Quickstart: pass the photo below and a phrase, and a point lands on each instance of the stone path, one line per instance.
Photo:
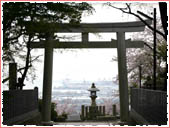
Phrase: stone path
(74, 120)
(95, 123)
(73, 117)
(88, 123)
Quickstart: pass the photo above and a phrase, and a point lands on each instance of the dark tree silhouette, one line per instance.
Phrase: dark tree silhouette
(17, 14)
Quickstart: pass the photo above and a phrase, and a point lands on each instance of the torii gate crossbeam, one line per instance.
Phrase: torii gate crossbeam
(121, 44)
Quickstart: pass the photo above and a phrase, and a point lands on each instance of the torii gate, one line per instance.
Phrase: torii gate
(121, 44)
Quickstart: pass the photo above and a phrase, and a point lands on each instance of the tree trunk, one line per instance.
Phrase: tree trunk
(27, 61)
(164, 19)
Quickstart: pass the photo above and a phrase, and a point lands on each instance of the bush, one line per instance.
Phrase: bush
(60, 118)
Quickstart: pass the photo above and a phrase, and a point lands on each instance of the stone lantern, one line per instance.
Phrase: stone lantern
(93, 95)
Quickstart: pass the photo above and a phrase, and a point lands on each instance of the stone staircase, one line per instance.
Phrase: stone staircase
(73, 118)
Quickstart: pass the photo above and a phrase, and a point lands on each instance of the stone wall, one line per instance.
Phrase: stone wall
(19, 105)
(149, 106)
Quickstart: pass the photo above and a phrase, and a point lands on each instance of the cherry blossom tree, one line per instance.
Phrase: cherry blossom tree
(65, 107)
(144, 57)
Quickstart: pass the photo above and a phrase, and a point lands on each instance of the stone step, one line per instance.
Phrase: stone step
(73, 117)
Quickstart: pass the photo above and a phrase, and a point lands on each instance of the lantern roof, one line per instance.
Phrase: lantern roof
(93, 88)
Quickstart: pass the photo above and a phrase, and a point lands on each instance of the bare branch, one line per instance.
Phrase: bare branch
(148, 46)
(109, 4)
(140, 18)
(128, 6)
(35, 58)
(19, 70)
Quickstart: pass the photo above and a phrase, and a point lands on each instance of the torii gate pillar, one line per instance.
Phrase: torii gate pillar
(123, 81)
(47, 81)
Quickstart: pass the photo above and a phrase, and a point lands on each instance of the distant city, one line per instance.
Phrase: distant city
(76, 92)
